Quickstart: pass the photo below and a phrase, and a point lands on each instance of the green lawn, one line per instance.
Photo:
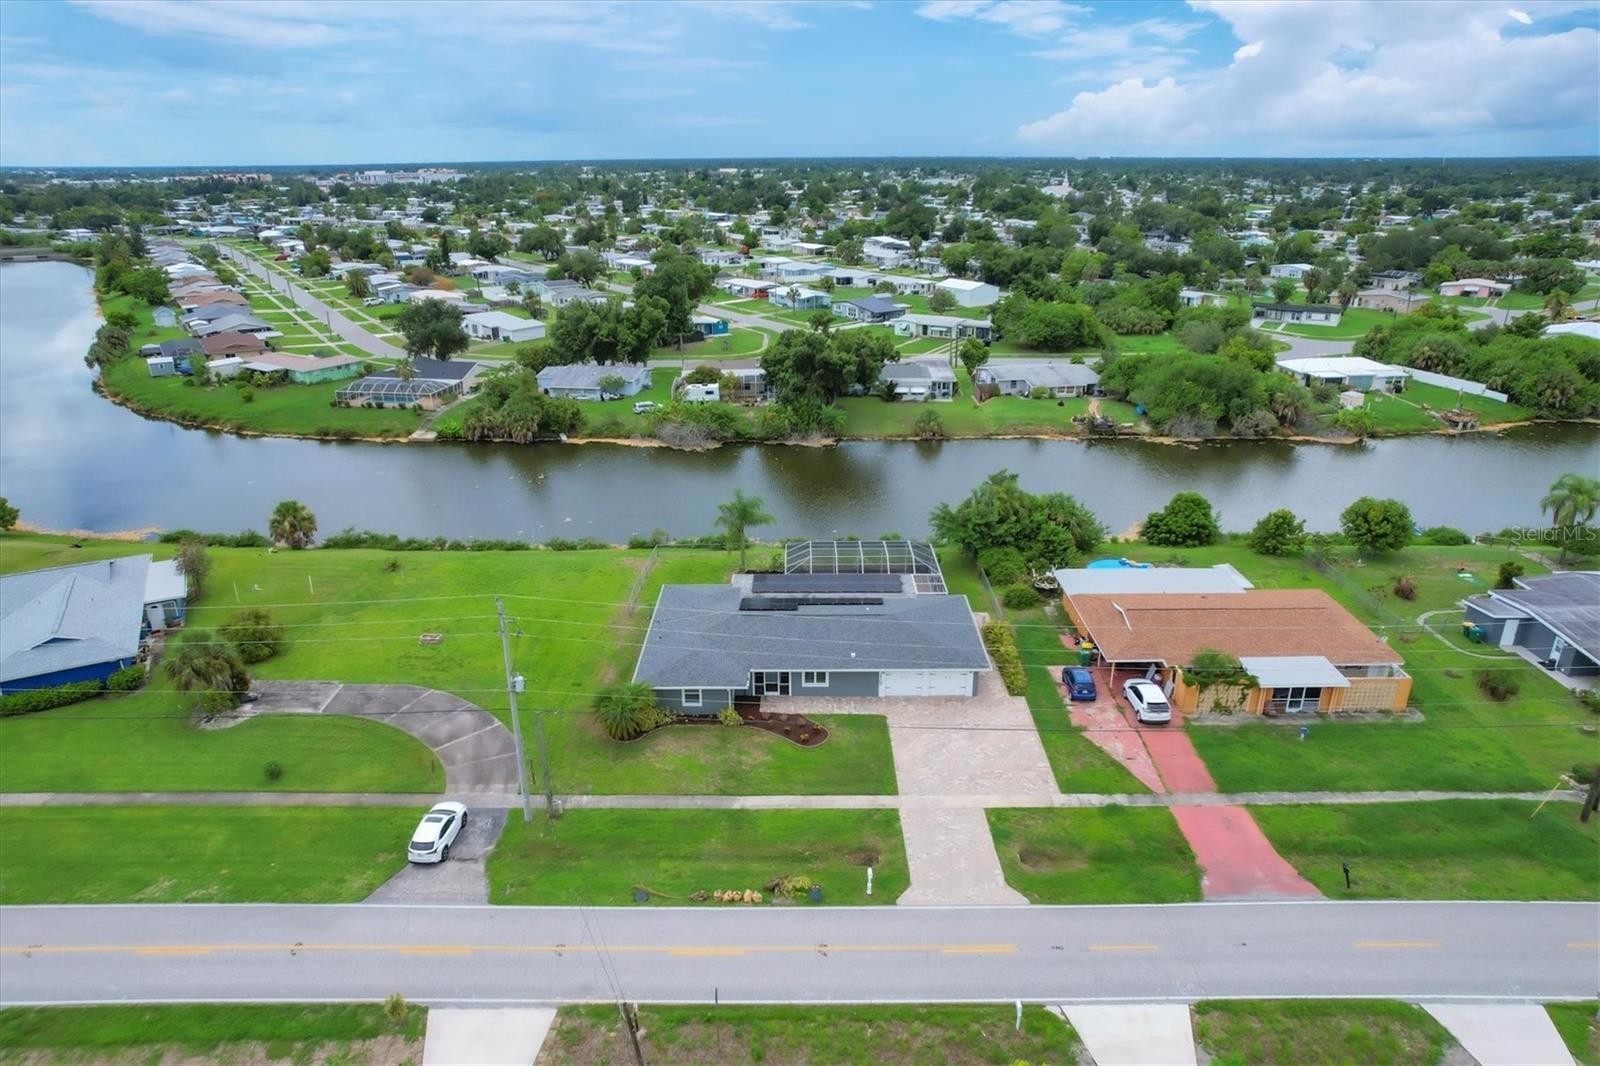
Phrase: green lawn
(739, 341)
(817, 1036)
(144, 742)
(1301, 1032)
(872, 416)
(232, 1032)
(1095, 855)
(1464, 742)
(295, 410)
(1579, 1026)
(596, 857)
(1353, 323)
(1403, 412)
(1466, 849)
(200, 854)
(1078, 765)
(1522, 301)
(351, 618)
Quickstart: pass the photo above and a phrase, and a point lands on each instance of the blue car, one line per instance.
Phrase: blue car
(1079, 682)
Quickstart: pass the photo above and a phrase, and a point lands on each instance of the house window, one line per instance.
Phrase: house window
(814, 679)
(1295, 700)
(691, 697)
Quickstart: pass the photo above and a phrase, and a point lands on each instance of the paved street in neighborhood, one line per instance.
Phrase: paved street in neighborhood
(1437, 952)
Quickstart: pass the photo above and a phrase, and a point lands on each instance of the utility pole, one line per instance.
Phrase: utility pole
(516, 722)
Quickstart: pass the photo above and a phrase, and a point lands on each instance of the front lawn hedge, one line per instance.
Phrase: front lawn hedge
(34, 700)
(1002, 645)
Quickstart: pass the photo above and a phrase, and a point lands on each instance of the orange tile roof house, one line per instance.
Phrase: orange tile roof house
(1306, 652)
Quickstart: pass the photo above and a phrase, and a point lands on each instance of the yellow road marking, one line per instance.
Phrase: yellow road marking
(1585, 945)
(1124, 947)
(1397, 944)
(544, 949)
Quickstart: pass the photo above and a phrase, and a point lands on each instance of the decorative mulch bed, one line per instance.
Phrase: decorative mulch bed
(795, 728)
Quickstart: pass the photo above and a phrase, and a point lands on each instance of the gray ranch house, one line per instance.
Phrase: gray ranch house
(1553, 619)
(581, 381)
(858, 635)
(1015, 377)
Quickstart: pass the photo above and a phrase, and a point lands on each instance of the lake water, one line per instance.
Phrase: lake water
(72, 460)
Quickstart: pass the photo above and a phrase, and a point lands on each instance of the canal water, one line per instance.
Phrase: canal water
(72, 460)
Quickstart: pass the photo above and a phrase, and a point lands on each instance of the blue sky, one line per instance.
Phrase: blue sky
(153, 82)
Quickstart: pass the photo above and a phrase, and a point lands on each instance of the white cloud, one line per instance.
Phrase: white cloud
(1520, 16)
(1318, 77)
(1029, 18)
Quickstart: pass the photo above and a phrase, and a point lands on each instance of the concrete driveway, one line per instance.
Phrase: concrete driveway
(463, 878)
(478, 752)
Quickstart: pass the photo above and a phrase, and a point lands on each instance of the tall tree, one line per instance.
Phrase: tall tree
(292, 524)
(1572, 502)
(737, 516)
(432, 327)
(194, 563)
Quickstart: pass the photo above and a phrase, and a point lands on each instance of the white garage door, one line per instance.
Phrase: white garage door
(925, 683)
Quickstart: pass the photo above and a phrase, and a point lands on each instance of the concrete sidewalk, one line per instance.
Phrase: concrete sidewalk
(1133, 1034)
(507, 801)
(1503, 1034)
(951, 858)
(507, 1037)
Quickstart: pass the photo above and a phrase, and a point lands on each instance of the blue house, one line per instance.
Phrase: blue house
(709, 326)
(83, 622)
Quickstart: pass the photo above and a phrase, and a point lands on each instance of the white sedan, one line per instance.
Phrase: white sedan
(1148, 701)
(436, 832)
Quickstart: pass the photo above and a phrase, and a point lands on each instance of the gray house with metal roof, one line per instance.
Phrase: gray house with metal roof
(1554, 618)
(808, 634)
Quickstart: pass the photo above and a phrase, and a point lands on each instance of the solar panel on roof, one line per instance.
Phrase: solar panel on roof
(794, 603)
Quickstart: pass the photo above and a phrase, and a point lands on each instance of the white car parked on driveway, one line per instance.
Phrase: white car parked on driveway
(436, 832)
(1148, 701)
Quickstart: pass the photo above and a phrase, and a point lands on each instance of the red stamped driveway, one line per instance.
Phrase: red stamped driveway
(1236, 859)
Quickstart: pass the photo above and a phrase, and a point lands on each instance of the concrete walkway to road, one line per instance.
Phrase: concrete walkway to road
(508, 1037)
(1503, 1034)
(951, 858)
(478, 752)
(1133, 1034)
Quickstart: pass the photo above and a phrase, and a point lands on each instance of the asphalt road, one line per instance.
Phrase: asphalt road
(341, 325)
(442, 954)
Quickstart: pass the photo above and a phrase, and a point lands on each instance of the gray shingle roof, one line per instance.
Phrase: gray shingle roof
(699, 638)
(589, 375)
(71, 616)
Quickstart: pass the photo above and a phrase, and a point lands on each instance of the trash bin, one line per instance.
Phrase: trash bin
(1475, 634)
(1085, 656)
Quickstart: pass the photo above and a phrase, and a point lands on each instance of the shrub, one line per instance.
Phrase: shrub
(1405, 586)
(1376, 526)
(34, 700)
(127, 679)
(247, 394)
(1279, 533)
(1187, 521)
(253, 634)
(730, 717)
(1002, 645)
(1510, 570)
(626, 710)
(273, 771)
(1499, 684)
(1583, 773)
(929, 426)
(1590, 700)
(1019, 597)
(1448, 536)
(1004, 566)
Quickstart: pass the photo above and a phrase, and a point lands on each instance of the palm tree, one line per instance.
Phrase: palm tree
(1558, 306)
(292, 523)
(405, 370)
(737, 516)
(1572, 501)
(205, 664)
